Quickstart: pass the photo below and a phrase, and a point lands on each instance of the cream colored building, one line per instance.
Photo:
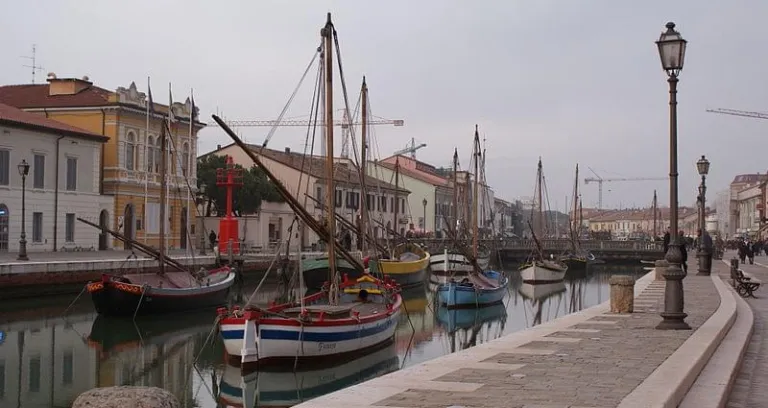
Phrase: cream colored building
(304, 177)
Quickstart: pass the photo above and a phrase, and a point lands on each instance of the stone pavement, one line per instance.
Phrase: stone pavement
(63, 256)
(750, 389)
(592, 361)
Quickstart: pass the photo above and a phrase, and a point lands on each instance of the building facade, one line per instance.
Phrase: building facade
(130, 159)
(62, 184)
(304, 177)
(637, 223)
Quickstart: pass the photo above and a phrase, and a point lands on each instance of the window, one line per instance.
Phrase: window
(319, 196)
(337, 201)
(352, 200)
(150, 154)
(67, 368)
(392, 203)
(185, 159)
(158, 153)
(69, 228)
(38, 168)
(34, 374)
(71, 173)
(37, 227)
(369, 202)
(383, 203)
(5, 167)
(130, 151)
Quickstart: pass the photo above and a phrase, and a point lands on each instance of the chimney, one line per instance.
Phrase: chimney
(218, 147)
(66, 86)
(288, 150)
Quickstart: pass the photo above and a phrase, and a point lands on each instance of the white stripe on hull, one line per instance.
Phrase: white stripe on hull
(254, 347)
(233, 346)
(456, 263)
(537, 273)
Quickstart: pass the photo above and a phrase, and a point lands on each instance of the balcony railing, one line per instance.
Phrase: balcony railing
(561, 244)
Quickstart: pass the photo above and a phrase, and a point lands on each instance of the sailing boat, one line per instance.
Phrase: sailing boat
(164, 292)
(538, 269)
(576, 257)
(346, 317)
(480, 287)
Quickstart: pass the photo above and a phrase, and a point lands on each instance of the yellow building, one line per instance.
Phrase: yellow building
(130, 169)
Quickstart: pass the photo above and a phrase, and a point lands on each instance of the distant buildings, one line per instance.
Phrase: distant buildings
(746, 209)
(638, 223)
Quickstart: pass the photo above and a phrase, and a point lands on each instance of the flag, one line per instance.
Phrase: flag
(194, 113)
(171, 119)
(151, 103)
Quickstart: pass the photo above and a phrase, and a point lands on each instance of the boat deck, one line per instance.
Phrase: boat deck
(482, 281)
(342, 311)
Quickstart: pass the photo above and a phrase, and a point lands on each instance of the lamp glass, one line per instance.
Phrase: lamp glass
(671, 50)
(23, 168)
(703, 166)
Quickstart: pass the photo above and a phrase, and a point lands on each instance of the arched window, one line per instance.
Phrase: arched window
(185, 159)
(151, 154)
(130, 151)
(158, 154)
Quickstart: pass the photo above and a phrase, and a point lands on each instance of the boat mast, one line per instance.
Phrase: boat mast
(163, 183)
(327, 33)
(581, 216)
(455, 189)
(574, 235)
(467, 207)
(477, 153)
(363, 167)
(395, 201)
(655, 212)
(539, 176)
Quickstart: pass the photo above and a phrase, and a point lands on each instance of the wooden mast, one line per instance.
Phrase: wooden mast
(540, 197)
(475, 195)
(574, 235)
(455, 189)
(467, 208)
(163, 184)
(327, 33)
(395, 201)
(363, 167)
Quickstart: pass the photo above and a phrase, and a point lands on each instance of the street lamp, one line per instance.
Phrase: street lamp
(424, 203)
(704, 253)
(23, 171)
(672, 52)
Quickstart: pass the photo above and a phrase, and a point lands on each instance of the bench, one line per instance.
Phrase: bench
(745, 285)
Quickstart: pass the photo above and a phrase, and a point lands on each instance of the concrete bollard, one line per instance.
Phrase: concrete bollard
(734, 271)
(622, 293)
(660, 266)
(126, 396)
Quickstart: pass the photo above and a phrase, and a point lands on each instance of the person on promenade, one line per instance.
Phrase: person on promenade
(212, 238)
(683, 251)
(666, 241)
(742, 251)
(751, 252)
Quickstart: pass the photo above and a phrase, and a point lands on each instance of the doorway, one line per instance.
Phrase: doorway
(104, 223)
(128, 225)
(183, 241)
(4, 228)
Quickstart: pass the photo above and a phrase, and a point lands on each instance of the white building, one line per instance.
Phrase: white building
(62, 183)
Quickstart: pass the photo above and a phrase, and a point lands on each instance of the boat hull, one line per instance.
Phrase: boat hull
(317, 271)
(450, 263)
(538, 272)
(405, 273)
(114, 298)
(454, 294)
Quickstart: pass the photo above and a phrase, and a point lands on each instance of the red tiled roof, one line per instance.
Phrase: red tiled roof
(15, 117)
(418, 175)
(36, 96)
(749, 178)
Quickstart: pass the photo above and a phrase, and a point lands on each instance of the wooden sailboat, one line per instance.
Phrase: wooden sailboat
(480, 287)
(539, 269)
(346, 317)
(576, 257)
(164, 292)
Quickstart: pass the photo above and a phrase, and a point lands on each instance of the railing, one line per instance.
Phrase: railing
(559, 244)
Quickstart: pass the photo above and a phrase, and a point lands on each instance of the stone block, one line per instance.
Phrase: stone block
(126, 396)
(660, 266)
(622, 293)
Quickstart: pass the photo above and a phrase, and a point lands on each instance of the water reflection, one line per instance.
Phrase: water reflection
(46, 360)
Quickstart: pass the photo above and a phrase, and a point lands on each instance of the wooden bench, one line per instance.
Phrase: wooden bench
(745, 285)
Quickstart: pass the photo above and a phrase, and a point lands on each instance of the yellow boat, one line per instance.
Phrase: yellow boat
(408, 266)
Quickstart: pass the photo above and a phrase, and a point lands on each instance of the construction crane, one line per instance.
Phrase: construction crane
(599, 180)
(411, 148)
(734, 112)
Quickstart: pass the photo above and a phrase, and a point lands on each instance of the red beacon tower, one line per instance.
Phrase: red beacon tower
(229, 177)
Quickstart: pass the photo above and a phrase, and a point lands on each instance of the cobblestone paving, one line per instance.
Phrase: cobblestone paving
(597, 368)
(750, 389)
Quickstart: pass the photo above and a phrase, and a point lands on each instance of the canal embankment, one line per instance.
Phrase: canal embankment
(590, 358)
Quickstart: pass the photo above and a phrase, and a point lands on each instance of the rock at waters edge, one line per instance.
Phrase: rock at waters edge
(126, 396)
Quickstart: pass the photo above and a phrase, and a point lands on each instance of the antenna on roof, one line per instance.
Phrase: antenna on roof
(34, 65)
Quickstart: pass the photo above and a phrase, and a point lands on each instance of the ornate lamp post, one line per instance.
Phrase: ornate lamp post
(672, 52)
(704, 253)
(424, 204)
(23, 172)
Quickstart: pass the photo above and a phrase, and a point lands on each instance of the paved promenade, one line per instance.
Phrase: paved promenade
(588, 359)
(751, 387)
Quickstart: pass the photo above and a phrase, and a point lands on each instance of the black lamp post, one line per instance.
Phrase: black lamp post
(672, 52)
(704, 253)
(424, 203)
(23, 171)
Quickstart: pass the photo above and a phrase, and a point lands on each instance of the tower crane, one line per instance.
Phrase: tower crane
(411, 148)
(734, 112)
(601, 180)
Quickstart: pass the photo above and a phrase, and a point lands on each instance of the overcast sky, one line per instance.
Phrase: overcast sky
(570, 81)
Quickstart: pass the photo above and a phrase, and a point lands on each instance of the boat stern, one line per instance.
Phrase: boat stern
(232, 332)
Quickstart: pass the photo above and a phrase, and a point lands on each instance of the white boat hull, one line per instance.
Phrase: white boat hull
(449, 263)
(536, 272)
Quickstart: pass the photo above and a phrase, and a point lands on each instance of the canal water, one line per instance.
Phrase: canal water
(47, 359)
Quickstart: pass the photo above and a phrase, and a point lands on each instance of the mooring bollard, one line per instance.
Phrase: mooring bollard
(734, 271)
(622, 294)
(126, 396)
(660, 266)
